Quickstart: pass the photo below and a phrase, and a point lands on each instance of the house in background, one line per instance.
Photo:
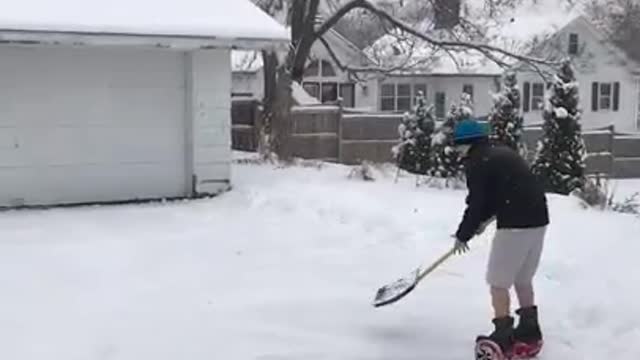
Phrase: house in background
(393, 92)
(442, 87)
(323, 79)
(609, 79)
(97, 107)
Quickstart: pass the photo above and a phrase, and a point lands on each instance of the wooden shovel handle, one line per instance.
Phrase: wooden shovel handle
(437, 263)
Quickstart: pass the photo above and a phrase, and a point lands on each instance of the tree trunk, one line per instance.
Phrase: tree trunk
(447, 13)
(270, 61)
(275, 129)
(282, 125)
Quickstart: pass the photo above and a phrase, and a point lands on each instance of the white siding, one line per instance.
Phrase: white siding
(367, 94)
(210, 80)
(595, 62)
(623, 119)
(89, 125)
(452, 86)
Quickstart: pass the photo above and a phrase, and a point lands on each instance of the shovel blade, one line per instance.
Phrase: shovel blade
(396, 290)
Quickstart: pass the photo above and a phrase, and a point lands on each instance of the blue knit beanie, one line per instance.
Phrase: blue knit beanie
(469, 131)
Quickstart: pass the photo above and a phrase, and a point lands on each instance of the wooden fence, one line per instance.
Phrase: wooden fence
(331, 134)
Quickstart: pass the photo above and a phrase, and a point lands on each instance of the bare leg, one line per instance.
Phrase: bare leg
(501, 302)
(526, 296)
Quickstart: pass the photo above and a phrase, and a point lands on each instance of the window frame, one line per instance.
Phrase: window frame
(605, 97)
(408, 99)
(322, 80)
(533, 105)
(613, 97)
(574, 44)
(465, 88)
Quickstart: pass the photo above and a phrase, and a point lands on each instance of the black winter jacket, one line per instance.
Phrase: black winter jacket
(500, 184)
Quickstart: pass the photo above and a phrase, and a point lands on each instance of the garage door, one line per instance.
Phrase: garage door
(86, 125)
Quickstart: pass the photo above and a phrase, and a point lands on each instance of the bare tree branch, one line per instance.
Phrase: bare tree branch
(333, 19)
(357, 69)
(488, 50)
(445, 43)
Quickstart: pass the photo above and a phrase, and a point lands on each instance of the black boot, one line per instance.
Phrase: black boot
(528, 330)
(502, 335)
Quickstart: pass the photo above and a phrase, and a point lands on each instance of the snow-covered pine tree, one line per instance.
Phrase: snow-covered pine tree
(445, 159)
(560, 159)
(505, 117)
(413, 152)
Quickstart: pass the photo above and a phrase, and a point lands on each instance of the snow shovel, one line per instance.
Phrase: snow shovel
(395, 291)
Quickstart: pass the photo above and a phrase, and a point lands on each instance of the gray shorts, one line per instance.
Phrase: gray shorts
(515, 256)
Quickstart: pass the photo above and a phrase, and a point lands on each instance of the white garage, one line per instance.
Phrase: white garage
(119, 107)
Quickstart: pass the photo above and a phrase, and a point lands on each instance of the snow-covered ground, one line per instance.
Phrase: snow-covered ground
(285, 267)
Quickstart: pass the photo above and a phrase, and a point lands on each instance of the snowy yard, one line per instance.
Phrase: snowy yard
(285, 267)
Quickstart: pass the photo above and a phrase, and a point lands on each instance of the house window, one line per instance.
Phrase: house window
(404, 97)
(388, 97)
(573, 44)
(468, 89)
(320, 68)
(329, 92)
(441, 99)
(417, 89)
(312, 88)
(399, 97)
(605, 96)
(537, 96)
(533, 96)
(322, 82)
(313, 69)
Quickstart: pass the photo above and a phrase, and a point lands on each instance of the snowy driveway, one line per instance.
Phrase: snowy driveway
(285, 267)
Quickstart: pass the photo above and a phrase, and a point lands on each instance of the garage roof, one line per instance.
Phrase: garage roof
(225, 21)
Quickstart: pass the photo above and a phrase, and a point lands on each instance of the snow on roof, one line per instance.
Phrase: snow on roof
(301, 96)
(222, 19)
(511, 31)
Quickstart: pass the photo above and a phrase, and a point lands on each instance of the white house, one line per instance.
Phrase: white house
(442, 86)
(393, 92)
(609, 79)
(107, 101)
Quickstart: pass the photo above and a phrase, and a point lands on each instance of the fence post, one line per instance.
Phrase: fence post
(340, 118)
(612, 134)
(255, 125)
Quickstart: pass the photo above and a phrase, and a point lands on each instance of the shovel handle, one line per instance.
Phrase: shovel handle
(437, 263)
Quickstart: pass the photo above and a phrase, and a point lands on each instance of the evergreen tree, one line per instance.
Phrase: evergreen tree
(445, 159)
(413, 152)
(505, 118)
(560, 160)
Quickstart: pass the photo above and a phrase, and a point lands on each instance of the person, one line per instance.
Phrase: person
(501, 187)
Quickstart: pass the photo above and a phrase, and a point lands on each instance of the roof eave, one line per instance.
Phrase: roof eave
(177, 42)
